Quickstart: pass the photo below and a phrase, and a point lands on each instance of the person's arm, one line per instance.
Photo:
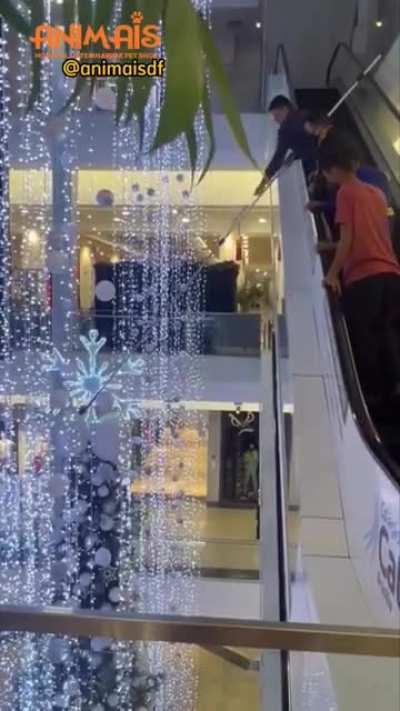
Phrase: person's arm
(279, 156)
(325, 246)
(342, 252)
(276, 161)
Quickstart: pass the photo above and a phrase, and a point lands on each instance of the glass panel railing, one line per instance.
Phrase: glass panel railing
(41, 672)
(373, 110)
(226, 334)
(66, 661)
(217, 333)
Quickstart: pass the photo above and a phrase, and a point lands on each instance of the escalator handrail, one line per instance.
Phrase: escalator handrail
(281, 53)
(345, 47)
(359, 409)
(357, 404)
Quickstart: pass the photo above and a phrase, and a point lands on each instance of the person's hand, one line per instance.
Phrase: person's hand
(332, 282)
(261, 187)
(321, 247)
(312, 205)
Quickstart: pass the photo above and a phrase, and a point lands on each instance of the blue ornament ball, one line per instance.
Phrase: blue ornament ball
(105, 198)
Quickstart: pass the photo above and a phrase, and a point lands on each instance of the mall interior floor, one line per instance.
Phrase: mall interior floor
(224, 686)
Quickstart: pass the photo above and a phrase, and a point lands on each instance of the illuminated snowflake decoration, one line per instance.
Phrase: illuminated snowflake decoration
(92, 378)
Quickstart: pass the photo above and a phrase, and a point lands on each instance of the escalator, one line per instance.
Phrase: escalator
(380, 429)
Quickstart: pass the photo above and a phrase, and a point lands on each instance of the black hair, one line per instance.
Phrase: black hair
(280, 102)
(318, 118)
(343, 159)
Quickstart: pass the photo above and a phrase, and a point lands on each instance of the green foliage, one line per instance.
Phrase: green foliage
(191, 60)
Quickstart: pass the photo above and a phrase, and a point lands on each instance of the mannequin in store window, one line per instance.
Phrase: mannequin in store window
(250, 466)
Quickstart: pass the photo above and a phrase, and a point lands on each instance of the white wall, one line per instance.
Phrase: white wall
(228, 155)
(310, 30)
(388, 74)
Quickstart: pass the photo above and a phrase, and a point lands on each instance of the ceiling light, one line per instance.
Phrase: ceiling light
(185, 220)
(258, 25)
(258, 271)
(174, 211)
(378, 23)
(262, 220)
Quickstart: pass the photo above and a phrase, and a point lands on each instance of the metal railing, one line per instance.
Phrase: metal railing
(203, 631)
(376, 116)
(360, 412)
(342, 46)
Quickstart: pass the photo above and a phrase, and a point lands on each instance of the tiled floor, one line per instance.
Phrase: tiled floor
(229, 540)
(225, 687)
(228, 524)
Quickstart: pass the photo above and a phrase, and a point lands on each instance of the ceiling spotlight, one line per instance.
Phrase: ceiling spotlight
(258, 25)
(262, 220)
(174, 211)
(185, 220)
(378, 23)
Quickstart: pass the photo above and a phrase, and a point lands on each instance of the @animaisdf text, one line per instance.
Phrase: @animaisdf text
(103, 69)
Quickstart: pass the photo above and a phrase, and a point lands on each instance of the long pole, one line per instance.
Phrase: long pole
(289, 160)
(354, 86)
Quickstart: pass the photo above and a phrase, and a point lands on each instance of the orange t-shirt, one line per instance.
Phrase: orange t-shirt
(364, 208)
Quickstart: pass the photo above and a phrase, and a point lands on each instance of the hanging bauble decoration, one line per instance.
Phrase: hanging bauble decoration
(105, 198)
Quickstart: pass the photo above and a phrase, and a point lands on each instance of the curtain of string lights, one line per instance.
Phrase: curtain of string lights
(100, 506)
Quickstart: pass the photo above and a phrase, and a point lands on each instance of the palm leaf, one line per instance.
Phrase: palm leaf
(80, 83)
(128, 6)
(85, 13)
(191, 141)
(122, 89)
(36, 81)
(37, 18)
(141, 92)
(68, 13)
(210, 130)
(220, 79)
(14, 18)
(185, 77)
(103, 12)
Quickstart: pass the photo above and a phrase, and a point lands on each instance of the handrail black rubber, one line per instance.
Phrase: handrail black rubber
(357, 403)
(355, 396)
(284, 611)
(343, 46)
(281, 51)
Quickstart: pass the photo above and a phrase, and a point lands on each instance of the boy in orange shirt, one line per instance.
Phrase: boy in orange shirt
(370, 275)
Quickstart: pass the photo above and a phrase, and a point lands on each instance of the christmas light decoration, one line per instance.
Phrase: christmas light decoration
(75, 530)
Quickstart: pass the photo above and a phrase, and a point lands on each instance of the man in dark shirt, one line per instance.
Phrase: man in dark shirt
(332, 140)
(329, 137)
(292, 136)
